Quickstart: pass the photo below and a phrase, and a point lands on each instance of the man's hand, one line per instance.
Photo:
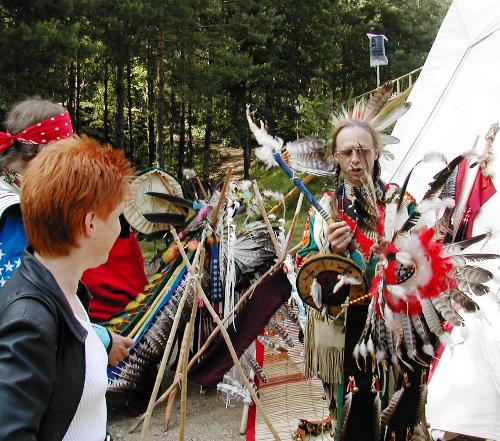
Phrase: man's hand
(119, 348)
(379, 247)
(339, 237)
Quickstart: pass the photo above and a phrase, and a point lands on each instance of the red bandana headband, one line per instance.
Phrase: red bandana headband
(48, 130)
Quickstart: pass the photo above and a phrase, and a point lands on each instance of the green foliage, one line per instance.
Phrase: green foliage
(294, 60)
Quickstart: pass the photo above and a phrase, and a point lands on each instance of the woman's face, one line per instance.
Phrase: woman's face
(106, 233)
(355, 154)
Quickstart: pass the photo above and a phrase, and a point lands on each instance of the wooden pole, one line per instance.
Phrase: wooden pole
(189, 331)
(292, 226)
(170, 341)
(171, 398)
(212, 336)
(270, 230)
(229, 344)
(223, 191)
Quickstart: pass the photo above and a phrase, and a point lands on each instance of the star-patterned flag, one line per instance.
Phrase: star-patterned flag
(12, 244)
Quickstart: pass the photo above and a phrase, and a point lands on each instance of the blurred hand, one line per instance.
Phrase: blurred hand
(119, 348)
(339, 237)
(379, 247)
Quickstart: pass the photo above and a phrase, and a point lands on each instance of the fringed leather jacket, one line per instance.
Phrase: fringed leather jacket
(42, 355)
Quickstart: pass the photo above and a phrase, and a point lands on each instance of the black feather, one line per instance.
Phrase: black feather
(166, 218)
(174, 199)
(403, 187)
(477, 257)
(441, 178)
(410, 222)
(455, 247)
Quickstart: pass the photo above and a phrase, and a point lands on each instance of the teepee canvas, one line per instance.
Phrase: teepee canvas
(456, 99)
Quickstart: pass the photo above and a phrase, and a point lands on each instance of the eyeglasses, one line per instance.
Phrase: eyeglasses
(347, 153)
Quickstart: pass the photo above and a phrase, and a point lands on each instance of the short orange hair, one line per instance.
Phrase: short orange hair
(64, 182)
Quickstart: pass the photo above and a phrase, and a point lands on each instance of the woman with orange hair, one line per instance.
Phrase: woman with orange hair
(52, 365)
(31, 125)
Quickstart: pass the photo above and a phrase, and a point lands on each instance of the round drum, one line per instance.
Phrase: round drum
(152, 180)
(326, 269)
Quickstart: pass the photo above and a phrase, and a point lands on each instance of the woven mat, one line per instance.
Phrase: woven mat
(287, 396)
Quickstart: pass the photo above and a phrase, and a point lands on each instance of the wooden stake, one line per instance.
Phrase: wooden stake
(262, 209)
(171, 398)
(210, 338)
(229, 344)
(202, 189)
(223, 191)
(292, 226)
(189, 331)
(170, 341)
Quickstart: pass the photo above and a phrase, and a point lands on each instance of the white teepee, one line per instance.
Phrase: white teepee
(455, 99)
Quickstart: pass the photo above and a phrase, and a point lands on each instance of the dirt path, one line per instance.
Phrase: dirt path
(207, 420)
(230, 157)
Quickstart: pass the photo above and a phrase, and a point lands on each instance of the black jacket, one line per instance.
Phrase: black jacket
(42, 356)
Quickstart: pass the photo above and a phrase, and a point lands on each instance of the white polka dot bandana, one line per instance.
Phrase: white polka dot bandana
(51, 129)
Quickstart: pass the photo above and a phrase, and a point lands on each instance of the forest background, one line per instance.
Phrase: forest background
(167, 80)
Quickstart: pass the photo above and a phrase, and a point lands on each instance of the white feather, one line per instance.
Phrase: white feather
(316, 293)
(189, 173)
(345, 280)
(434, 156)
(261, 135)
(423, 272)
(386, 154)
(275, 195)
(244, 185)
(380, 355)
(369, 346)
(428, 349)
(404, 258)
(265, 154)
(355, 352)
(363, 351)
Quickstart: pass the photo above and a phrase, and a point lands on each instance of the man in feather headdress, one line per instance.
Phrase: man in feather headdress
(353, 384)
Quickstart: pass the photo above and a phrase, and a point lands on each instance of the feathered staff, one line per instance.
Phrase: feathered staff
(270, 150)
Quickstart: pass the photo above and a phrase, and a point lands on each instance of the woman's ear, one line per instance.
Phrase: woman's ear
(89, 224)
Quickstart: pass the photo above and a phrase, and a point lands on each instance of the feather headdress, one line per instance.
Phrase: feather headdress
(378, 113)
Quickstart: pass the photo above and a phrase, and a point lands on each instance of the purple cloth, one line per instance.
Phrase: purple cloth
(253, 316)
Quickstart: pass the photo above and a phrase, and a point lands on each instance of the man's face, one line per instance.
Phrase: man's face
(355, 154)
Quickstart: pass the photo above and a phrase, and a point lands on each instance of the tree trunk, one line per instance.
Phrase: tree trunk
(182, 140)
(151, 106)
(129, 105)
(106, 100)
(244, 134)
(190, 136)
(207, 142)
(71, 91)
(161, 98)
(173, 112)
(78, 93)
(120, 104)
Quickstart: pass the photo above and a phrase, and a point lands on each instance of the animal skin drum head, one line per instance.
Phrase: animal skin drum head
(156, 180)
(326, 270)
